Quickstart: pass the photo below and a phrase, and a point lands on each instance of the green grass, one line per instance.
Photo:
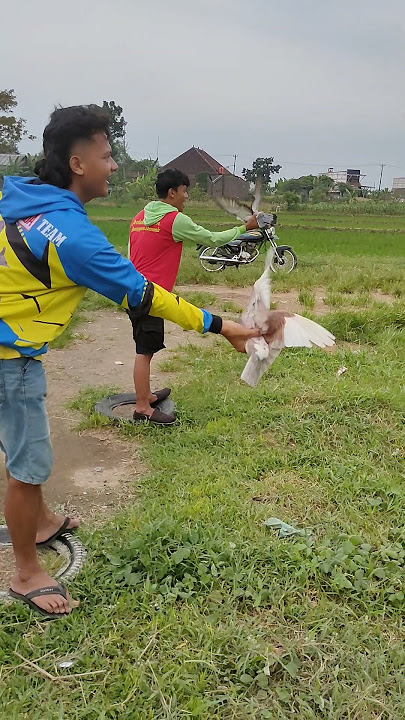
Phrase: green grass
(212, 301)
(306, 241)
(307, 299)
(331, 271)
(340, 222)
(359, 261)
(230, 306)
(190, 606)
(200, 298)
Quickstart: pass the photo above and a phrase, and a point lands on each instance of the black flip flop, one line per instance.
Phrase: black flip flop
(6, 539)
(160, 396)
(50, 590)
(63, 528)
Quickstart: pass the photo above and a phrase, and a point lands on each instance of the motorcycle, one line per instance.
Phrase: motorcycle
(247, 247)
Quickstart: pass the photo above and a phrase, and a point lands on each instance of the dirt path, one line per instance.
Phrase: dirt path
(284, 300)
(241, 295)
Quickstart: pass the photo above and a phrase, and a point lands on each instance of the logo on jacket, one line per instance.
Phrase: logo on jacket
(51, 233)
(3, 261)
(29, 223)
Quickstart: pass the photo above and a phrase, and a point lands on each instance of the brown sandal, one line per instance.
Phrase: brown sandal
(157, 418)
(160, 396)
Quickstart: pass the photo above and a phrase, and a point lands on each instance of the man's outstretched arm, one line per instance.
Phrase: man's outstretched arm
(172, 307)
(107, 272)
(185, 230)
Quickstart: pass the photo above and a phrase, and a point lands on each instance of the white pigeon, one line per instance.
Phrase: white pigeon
(243, 211)
(296, 331)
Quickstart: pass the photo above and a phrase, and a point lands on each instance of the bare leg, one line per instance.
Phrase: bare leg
(22, 509)
(142, 384)
(48, 521)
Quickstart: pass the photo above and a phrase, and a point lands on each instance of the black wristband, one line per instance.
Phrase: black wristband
(145, 305)
(216, 325)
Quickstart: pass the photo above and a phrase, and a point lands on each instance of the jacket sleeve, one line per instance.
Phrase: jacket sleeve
(185, 230)
(95, 264)
(174, 308)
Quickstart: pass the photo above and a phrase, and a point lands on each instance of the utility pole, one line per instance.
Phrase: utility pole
(157, 149)
(234, 163)
(381, 174)
(125, 151)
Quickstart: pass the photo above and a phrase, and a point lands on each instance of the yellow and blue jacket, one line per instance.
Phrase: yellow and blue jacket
(50, 253)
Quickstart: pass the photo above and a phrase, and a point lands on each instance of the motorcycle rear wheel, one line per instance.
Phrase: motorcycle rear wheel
(211, 265)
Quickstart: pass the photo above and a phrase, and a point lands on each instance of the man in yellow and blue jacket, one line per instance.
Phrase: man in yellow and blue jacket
(50, 253)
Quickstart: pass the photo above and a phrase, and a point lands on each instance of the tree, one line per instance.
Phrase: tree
(292, 200)
(264, 167)
(117, 127)
(318, 195)
(302, 186)
(322, 185)
(202, 181)
(12, 129)
(343, 189)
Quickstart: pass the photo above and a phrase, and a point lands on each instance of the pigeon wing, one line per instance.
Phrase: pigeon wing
(299, 331)
(257, 195)
(235, 207)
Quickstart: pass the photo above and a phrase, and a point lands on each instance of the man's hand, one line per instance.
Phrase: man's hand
(252, 223)
(275, 322)
(238, 335)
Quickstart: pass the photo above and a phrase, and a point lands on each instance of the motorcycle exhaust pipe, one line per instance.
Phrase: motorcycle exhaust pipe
(218, 258)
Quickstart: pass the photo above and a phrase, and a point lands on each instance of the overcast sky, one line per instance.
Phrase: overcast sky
(316, 83)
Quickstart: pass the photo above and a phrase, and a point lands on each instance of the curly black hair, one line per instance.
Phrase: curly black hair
(66, 126)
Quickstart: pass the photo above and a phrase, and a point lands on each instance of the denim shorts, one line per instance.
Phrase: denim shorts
(24, 426)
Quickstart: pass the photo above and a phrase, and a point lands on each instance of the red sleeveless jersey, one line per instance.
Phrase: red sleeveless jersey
(153, 251)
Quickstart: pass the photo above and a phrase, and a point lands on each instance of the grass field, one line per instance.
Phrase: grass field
(191, 607)
(345, 261)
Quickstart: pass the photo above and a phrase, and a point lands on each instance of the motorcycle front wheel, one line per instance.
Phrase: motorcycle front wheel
(212, 265)
(283, 262)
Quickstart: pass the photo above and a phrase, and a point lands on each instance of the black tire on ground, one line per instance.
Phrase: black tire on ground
(107, 406)
(68, 546)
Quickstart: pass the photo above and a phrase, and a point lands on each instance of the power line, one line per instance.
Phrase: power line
(329, 163)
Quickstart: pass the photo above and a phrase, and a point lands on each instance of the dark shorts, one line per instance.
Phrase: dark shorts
(149, 334)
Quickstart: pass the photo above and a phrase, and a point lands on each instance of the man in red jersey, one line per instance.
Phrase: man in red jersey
(156, 241)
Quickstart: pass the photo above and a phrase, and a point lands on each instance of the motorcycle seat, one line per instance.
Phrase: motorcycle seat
(252, 236)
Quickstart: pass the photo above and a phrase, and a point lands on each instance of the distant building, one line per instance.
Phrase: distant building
(349, 177)
(398, 187)
(221, 182)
